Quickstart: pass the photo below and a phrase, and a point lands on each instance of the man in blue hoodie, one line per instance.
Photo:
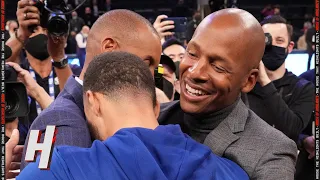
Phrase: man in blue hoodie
(121, 107)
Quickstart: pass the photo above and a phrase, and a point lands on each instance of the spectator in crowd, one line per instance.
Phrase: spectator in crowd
(302, 44)
(163, 27)
(169, 76)
(45, 57)
(193, 24)
(181, 10)
(95, 9)
(81, 39)
(276, 10)
(310, 39)
(76, 23)
(305, 164)
(122, 111)
(174, 49)
(282, 99)
(212, 76)
(116, 30)
(88, 17)
(267, 11)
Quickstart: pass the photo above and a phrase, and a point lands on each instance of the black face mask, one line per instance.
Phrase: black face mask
(168, 88)
(37, 47)
(274, 57)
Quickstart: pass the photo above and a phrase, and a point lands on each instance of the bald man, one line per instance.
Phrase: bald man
(221, 62)
(117, 30)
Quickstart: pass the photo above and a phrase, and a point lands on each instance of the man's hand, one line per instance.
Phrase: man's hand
(161, 96)
(308, 144)
(25, 77)
(56, 45)
(163, 27)
(27, 15)
(13, 155)
(263, 78)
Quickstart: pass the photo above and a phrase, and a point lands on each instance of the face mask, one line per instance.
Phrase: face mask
(37, 47)
(168, 88)
(7, 27)
(74, 17)
(274, 57)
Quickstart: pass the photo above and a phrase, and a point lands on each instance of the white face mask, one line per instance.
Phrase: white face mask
(85, 35)
(7, 27)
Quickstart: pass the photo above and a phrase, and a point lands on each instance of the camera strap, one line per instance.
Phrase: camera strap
(51, 87)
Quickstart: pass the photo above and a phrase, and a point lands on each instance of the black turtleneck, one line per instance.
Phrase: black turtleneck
(200, 127)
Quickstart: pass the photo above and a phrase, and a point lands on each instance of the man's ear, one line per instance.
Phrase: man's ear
(93, 103)
(290, 47)
(250, 82)
(157, 109)
(108, 45)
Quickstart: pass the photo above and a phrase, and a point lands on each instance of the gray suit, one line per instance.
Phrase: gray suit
(261, 150)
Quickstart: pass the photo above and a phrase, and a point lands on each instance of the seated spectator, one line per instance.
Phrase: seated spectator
(89, 19)
(280, 98)
(121, 109)
(174, 49)
(192, 25)
(81, 39)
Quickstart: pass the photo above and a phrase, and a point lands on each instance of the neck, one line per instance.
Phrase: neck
(128, 116)
(43, 68)
(277, 74)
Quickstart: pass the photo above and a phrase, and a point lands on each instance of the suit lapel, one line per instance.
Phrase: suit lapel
(225, 134)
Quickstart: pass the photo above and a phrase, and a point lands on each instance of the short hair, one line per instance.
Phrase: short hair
(274, 19)
(170, 42)
(120, 74)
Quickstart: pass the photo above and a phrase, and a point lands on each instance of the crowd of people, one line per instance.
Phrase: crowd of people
(221, 113)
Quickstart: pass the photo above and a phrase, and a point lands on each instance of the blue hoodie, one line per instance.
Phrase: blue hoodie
(137, 154)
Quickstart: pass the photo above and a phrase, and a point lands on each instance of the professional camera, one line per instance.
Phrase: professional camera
(54, 16)
(16, 96)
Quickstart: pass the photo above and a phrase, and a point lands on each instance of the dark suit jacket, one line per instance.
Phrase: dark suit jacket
(261, 150)
(67, 113)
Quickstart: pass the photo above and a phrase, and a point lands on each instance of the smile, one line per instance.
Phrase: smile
(194, 92)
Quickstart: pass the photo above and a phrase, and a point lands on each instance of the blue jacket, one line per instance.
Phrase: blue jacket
(138, 154)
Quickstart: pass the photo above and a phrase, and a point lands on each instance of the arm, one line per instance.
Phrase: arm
(33, 88)
(278, 162)
(290, 120)
(56, 50)
(16, 47)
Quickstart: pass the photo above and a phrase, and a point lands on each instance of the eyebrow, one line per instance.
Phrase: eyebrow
(150, 58)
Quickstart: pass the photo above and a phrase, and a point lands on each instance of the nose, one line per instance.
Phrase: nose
(198, 72)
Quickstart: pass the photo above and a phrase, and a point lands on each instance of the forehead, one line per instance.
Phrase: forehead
(228, 44)
(276, 30)
(174, 49)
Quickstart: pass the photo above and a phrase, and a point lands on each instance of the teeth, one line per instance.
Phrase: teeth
(194, 92)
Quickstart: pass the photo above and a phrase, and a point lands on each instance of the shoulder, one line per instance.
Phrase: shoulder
(169, 111)
(62, 111)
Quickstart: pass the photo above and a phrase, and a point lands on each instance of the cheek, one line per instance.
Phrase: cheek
(185, 64)
(221, 82)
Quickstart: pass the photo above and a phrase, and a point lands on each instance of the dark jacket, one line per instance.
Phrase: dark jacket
(138, 154)
(286, 103)
(262, 151)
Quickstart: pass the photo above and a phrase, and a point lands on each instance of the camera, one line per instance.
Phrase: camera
(268, 39)
(53, 16)
(16, 96)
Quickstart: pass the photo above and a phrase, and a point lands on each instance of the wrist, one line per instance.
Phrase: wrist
(59, 57)
(20, 37)
(265, 81)
(36, 92)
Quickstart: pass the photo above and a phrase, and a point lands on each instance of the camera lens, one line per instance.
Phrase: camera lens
(58, 26)
(12, 102)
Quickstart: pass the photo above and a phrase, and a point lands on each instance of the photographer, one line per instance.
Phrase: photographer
(282, 99)
(45, 57)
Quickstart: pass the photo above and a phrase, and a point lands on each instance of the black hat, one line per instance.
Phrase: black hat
(166, 60)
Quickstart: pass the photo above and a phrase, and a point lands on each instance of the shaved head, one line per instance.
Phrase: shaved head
(221, 61)
(244, 32)
(126, 31)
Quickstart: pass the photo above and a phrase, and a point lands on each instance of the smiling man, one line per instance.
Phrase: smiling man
(221, 62)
